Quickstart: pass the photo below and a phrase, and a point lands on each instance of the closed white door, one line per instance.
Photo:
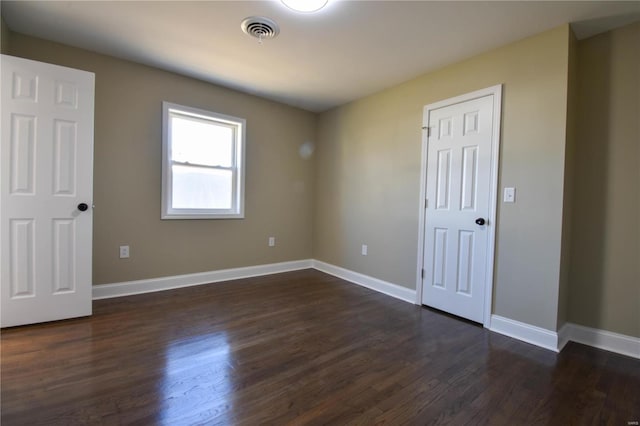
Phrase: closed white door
(46, 179)
(458, 183)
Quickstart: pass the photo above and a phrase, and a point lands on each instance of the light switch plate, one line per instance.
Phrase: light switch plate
(509, 195)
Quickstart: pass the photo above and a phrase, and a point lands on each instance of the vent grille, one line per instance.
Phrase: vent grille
(260, 27)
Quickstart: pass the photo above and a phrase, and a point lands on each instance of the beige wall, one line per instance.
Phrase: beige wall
(560, 255)
(279, 184)
(569, 175)
(368, 169)
(5, 35)
(605, 263)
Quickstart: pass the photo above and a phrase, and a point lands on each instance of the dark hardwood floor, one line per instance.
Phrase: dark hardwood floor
(298, 348)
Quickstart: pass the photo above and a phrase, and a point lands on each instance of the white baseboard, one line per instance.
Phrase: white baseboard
(563, 336)
(527, 333)
(128, 288)
(602, 339)
(376, 284)
(609, 341)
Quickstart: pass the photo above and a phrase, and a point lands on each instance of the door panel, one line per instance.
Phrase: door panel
(458, 181)
(64, 157)
(64, 259)
(46, 167)
(22, 166)
(469, 193)
(443, 179)
(465, 262)
(440, 257)
(22, 253)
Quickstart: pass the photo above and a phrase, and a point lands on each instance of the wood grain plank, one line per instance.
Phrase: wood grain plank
(298, 348)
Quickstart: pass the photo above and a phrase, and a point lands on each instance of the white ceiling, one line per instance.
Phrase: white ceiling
(348, 50)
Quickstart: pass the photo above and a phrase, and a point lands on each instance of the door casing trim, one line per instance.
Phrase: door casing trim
(496, 91)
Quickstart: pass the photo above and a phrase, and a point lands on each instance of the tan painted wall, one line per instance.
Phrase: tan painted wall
(127, 173)
(605, 264)
(368, 170)
(5, 36)
(569, 180)
(367, 176)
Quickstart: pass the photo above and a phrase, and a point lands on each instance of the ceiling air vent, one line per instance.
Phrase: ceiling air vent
(260, 27)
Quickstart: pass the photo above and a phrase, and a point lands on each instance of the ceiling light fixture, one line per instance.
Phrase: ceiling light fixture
(305, 6)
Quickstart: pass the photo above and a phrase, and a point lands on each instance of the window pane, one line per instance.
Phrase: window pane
(200, 188)
(202, 142)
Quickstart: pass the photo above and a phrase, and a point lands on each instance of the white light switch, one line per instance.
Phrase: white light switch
(509, 195)
(272, 241)
(364, 249)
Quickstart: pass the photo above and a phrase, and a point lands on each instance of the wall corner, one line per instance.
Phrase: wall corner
(5, 37)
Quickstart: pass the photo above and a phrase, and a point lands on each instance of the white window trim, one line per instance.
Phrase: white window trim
(237, 211)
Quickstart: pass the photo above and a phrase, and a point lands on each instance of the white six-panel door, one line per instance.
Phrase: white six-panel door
(458, 189)
(46, 169)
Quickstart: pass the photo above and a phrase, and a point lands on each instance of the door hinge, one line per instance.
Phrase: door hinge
(422, 273)
(428, 129)
(426, 203)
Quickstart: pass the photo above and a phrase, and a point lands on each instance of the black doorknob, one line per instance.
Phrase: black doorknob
(480, 221)
(83, 207)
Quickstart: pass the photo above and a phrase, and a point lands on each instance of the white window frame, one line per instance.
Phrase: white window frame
(238, 168)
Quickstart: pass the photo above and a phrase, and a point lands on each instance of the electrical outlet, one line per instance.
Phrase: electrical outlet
(124, 252)
(272, 241)
(364, 249)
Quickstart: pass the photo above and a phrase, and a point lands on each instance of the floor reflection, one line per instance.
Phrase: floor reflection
(197, 382)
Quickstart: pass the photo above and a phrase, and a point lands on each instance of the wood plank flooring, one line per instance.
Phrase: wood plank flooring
(298, 348)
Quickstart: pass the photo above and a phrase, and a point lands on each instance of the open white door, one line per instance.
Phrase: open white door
(46, 189)
(460, 204)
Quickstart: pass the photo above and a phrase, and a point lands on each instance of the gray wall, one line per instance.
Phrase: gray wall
(567, 250)
(368, 174)
(127, 173)
(605, 256)
(569, 174)
(5, 36)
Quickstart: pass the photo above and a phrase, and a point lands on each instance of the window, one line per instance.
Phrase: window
(202, 164)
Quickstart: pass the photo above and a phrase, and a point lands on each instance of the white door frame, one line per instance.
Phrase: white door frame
(496, 91)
